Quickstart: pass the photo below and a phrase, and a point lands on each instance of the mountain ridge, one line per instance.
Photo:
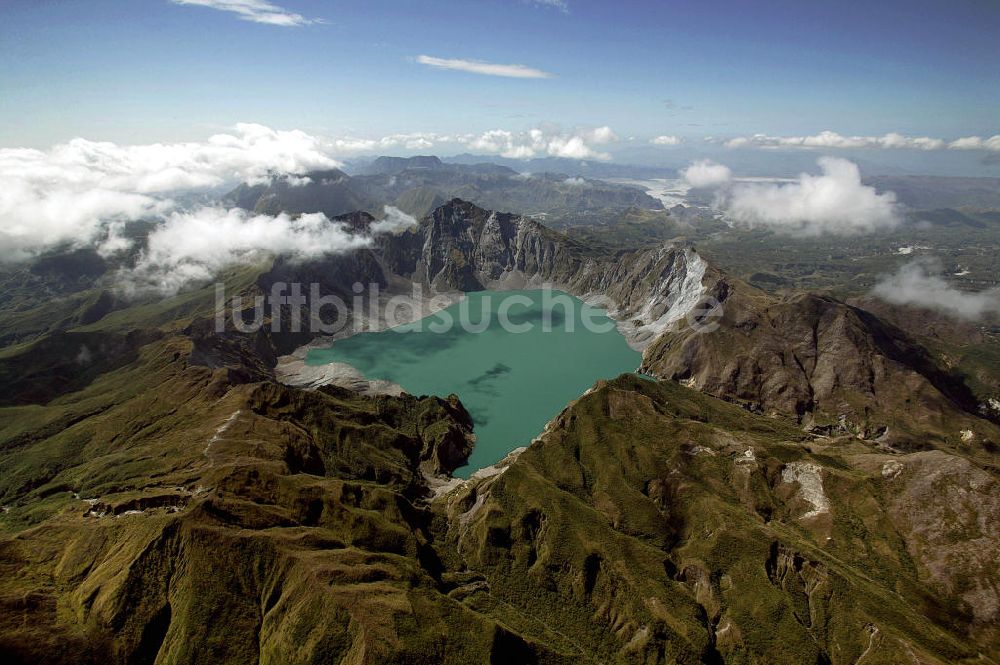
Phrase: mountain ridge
(417, 185)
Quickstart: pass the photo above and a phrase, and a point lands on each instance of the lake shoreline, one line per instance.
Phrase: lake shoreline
(513, 372)
(293, 370)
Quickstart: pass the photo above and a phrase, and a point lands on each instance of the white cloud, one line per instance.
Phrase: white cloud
(411, 141)
(601, 135)
(414, 140)
(79, 193)
(573, 147)
(575, 182)
(503, 142)
(834, 202)
(890, 141)
(706, 173)
(561, 5)
(666, 140)
(72, 192)
(976, 143)
(353, 144)
(395, 220)
(193, 246)
(32, 219)
(256, 11)
(480, 67)
(542, 142)
(115, 242)
(919, 283)
(537, 142)
(898, 141)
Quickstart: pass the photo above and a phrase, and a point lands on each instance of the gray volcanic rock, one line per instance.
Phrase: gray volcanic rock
(466, 248)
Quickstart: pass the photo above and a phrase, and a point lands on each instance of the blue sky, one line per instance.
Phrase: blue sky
(153, 70)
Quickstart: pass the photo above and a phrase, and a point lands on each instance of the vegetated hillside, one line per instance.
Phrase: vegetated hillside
(170, 513)
(656, 524)
(170, 501)
(638, 227)
(330, 192)
(963, 242)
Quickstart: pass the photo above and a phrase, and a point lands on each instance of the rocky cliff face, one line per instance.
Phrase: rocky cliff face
(461, 247)
(493, 249)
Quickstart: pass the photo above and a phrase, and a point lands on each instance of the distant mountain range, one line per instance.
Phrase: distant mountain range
(418, 185)
(574, 167)
(933, 192)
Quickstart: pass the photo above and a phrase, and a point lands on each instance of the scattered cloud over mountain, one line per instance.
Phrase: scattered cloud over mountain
(537, 142)
(706, 173)
(829, 139)
(835, 202)
(920, 283)
(666, 140)
(546, 141)
(395, 220)
(32, 219)
(256, 11)
(891, 141)
(486, 68)
(193, 246)
(73, 191)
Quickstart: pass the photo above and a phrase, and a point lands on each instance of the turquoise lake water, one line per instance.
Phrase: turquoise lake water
(512, 383)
